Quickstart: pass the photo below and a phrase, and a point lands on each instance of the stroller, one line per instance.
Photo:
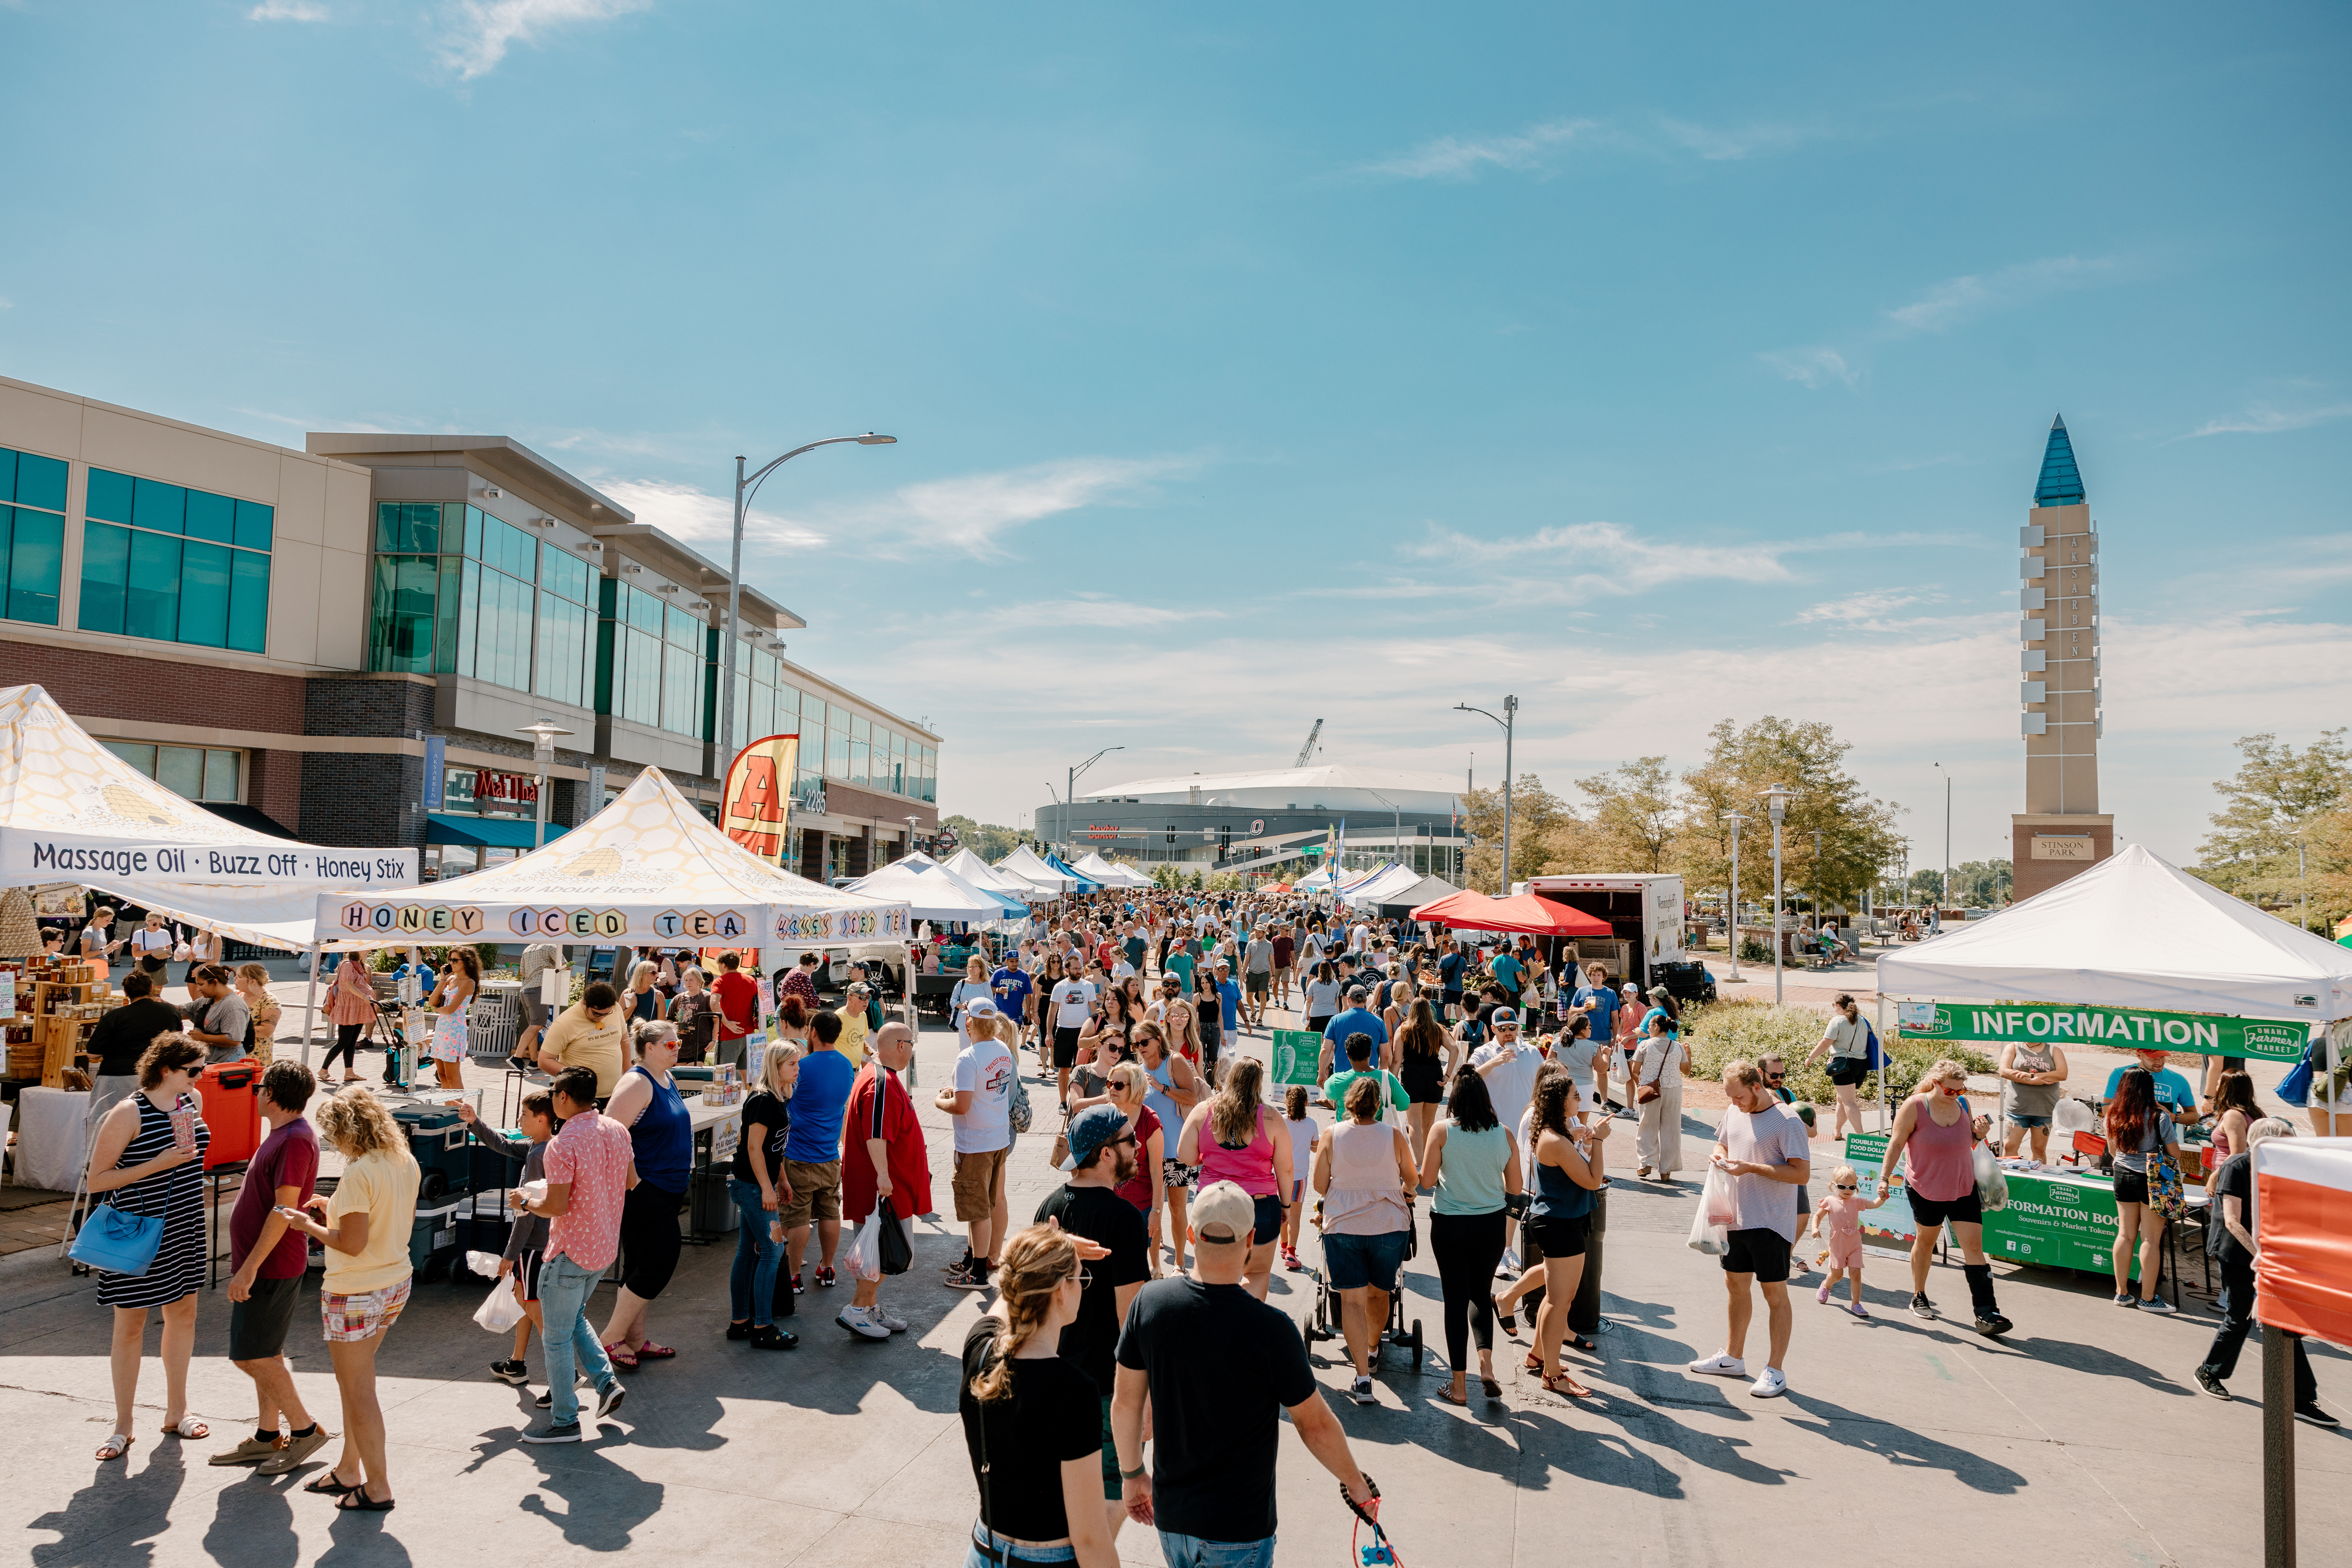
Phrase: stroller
(1323, 1320)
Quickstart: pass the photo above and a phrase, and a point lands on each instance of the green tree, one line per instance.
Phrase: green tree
(1926, 886)
(1983, 884)
(1630, 820)
(2276, 794)
(1857, 831)
(1536, 816)
(985, 839)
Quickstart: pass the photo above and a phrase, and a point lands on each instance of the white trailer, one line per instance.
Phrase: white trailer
(1646, 913)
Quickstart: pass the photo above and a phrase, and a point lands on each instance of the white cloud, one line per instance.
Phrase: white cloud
(1605, 557)
(1860, 608)
(480, 31)
(2271, 421)
(1814, 367)
(287, 11)
(1745, 142)
(970, 513)
(1957, 299)
(1461, 157)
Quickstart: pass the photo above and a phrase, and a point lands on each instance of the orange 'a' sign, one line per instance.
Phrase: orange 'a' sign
(759, 796)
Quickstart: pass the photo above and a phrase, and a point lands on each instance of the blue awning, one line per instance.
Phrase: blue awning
(485, 832)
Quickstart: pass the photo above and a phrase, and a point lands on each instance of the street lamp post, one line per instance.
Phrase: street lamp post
(1778, 800)
(1396, 829)
(1817, 879)
(746, 487)
(1732, 920)
(1070, 792)
(542, 752)
(1508, 721)
(1945, 897)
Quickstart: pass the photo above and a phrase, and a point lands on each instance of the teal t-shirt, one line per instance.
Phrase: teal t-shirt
(1470, 1181)
(1335, 1088)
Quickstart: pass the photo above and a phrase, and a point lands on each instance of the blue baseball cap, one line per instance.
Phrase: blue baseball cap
(1089, 1131)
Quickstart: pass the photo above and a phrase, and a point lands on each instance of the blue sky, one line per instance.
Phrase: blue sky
(1657, 365)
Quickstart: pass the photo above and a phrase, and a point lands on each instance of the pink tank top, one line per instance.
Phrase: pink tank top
(1941, 1169)
(1249, 1167)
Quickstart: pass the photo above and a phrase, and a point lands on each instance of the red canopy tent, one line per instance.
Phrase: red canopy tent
(1474, 910)
(1463, 908)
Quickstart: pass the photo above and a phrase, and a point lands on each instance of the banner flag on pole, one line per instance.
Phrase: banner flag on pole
(755, 808)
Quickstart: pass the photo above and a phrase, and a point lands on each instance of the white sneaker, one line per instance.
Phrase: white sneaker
(1511, 1260)
(858, 1321)
(1771, 1385)
(896, 1325)
(1720, 1365)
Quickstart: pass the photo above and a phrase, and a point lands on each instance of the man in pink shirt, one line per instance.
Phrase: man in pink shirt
(590, 1171)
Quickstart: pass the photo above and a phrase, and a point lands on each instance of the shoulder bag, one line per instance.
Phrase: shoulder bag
(117, 1243)
(2165, 1194)
(1017, 1110)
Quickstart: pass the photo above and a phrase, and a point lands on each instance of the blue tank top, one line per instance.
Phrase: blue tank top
(1558, 1197)
(662, 1138)
(1163, 1104)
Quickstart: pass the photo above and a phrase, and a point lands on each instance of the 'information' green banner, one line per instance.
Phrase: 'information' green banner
(2112, 1029)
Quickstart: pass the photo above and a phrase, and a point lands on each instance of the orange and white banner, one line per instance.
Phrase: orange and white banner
(758, 796)
(2302, 1203)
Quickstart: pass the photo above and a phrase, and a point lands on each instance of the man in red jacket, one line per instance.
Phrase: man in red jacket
(882, 1155)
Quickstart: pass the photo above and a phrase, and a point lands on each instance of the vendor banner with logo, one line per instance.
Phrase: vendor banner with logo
(757, 803)
(2109, 1028)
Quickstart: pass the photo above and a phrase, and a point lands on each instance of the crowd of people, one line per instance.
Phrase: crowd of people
(1131, 1304)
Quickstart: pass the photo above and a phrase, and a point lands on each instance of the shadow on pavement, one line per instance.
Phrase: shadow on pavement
(119, 1502)
(1901, 1446)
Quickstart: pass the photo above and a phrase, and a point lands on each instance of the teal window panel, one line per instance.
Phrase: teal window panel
(465, 614)
(40, 481)
(861, 761)
(158, 506)
(109, 496)
(181, 769)
(204, 594)
(682, 630)
(211, 518)
(257, 525)
(36, 558)
(249, 603)
(474, 516)
(7, 473)
(400, 630)
(404, 529)
(152, 605)
(105, 576)
(566, 649)
(604, 630)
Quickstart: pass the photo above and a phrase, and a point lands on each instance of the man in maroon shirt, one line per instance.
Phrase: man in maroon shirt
(268, 1258)
(801, 983)
(739, 1006)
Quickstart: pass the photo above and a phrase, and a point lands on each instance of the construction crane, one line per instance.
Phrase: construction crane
(1307, 752)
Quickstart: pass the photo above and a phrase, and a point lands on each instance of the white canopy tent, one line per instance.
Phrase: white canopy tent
(1025, 864)
(1402, 894)
(932, 892)
(73, 811)
(1370, 891)
(981, 874)
(1112, 876)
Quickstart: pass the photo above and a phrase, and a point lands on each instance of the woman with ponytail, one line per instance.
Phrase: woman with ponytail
(1031, 1421)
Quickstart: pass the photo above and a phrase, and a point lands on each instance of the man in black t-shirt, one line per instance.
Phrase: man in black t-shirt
(2229, 1238)
(1102, 1156)
(1220, 1366)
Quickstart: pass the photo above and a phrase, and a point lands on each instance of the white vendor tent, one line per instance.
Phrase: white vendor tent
(1025, 864)
(981, 874)
(649, 869)
(2133, 931)
(1400, 892)
(1319, 880)
(1112, 876)
(73, 811)
(1371, 891)
(932, 892)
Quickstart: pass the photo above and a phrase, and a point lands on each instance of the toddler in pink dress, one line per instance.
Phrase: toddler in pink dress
(1840, 1223)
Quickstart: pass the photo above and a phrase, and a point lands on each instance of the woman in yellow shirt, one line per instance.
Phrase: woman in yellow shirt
(366, 1228)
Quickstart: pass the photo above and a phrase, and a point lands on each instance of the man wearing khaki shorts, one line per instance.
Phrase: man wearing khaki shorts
(981, 1102)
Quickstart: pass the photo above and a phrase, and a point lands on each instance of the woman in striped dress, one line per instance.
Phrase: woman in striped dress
(148, 1159)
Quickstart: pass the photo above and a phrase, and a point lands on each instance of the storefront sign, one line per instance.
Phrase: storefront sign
(510, 789)
(436, 755)
(1296, 1054)
(28, 855)
(2075, 847)
(2111, 1028)
(1101, 830)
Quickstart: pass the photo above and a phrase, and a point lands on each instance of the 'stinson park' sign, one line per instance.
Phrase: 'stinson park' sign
(2112, 1029)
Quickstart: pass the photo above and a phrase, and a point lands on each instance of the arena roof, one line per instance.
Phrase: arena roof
(1337, 788)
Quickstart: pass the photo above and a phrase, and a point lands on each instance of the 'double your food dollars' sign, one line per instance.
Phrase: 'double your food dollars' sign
(2110, 1028)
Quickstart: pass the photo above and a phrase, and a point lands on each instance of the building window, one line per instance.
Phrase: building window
(651, 662)
(459, 592)
(197, 772)
(32, 535)
(175, 564)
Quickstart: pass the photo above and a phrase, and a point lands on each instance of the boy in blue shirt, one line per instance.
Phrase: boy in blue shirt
(2172, 1090)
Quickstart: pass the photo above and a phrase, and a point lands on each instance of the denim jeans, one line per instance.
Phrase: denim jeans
(563, 1290)
(1003, 1551)
(751, 1287)
(1192, 1552)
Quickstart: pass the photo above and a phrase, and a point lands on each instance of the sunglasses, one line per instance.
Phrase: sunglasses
(1774, 1077)
(1847, 1188)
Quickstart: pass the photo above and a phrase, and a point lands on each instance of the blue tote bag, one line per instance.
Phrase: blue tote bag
(116, 1242)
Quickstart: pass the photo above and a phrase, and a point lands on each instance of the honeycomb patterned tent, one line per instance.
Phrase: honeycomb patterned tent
(646, 868)
(72, 810)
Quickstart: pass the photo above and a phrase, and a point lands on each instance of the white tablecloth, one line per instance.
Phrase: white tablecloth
(51, 1147)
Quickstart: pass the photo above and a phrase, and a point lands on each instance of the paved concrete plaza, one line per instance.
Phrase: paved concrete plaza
(2082, 1438)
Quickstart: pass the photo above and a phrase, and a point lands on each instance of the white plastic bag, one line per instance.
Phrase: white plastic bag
(1711, 1225)
(502, 1309)
(865, 1259)
(1992, 1183)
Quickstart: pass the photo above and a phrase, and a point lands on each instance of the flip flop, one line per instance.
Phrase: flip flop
(1493, 1389)
(652, 1352)
(326, 1485)
(356, 1501)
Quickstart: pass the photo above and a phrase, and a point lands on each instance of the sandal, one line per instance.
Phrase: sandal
(1534, 1362)
(1451, 1397)
(652, 1352)
(1509, 1320)
(114, 1447)
(621, 1356)
(1494, 1389)
(1578, 1342)
(326, 1484)
(187, 1426)
(1560, 1382)
(356, 1501)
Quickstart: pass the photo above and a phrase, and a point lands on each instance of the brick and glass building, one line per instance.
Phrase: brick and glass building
(297, 637)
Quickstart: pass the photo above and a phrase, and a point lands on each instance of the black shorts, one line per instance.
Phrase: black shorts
(1848, 1071)
(1932, 1215)
(1268, 1220)
(1761, 1252)
(1260, 983)
(1066, 1047)
(1559, 1237)
(528, 1267)
(2131, 1186)
(257, 1325)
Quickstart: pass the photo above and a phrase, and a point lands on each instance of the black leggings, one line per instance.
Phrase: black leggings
(649, 1240)
(1468, 1247)
(347, 1041)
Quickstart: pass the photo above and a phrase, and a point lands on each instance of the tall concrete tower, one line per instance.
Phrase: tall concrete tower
(2061, 830)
